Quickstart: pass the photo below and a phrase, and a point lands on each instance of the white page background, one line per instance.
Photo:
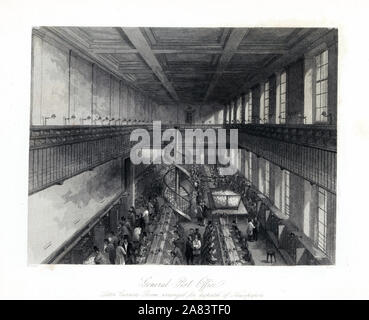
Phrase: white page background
(347, 279)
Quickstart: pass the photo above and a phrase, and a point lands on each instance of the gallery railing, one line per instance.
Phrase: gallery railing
(315, 136)
(57, 153)
(308, 151)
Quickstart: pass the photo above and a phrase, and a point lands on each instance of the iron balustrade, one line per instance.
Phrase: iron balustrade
(57, 153)
(309, 151)
(310, 135)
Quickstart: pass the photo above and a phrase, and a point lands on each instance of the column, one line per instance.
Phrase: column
(272, 99)
(297, 200)
(243, 108)
(271, 181)
(256, 104)
(261, 102)
(295, 92)
(332, 82)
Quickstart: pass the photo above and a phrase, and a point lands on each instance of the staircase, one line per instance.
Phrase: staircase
(178, 197)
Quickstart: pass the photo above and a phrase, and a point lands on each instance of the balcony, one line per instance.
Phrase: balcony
(57, 153)
(314, 136)
(308, 151)
(60, 152)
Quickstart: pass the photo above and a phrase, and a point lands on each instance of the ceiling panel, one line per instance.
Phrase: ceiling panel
(127, 57)
(101, 33)
(188, 35)
(189, 57)
(199, 63)
(269, 35)
(248, 59)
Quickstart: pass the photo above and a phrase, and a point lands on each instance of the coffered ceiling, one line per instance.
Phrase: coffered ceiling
(190, 65)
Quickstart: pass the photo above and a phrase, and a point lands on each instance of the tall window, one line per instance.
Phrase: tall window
(230, 113)
(322, 219)
(266, 102)
(249, 108)
(283, 97)
(321, 91)
(267, 178)
(250, 166)
(246, 108)
(286, 193)
(239, 110)
(246, 173)
(239, 160)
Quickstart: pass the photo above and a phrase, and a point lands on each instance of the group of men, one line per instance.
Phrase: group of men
(193, 247)
(116, 251)
(253, 228)
(124, 247)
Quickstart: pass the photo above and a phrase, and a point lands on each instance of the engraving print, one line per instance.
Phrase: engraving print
(183, 146)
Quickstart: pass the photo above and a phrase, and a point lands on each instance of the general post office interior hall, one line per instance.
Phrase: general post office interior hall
(89, 203)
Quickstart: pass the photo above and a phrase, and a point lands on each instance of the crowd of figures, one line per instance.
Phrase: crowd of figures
(210, 248)
(193, 247)
(130, 242)
(206, 249)
(199, 207)
(239, 184)
(237, 236)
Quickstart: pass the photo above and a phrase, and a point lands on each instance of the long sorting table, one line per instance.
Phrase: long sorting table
(162, 237)
(231, 248)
